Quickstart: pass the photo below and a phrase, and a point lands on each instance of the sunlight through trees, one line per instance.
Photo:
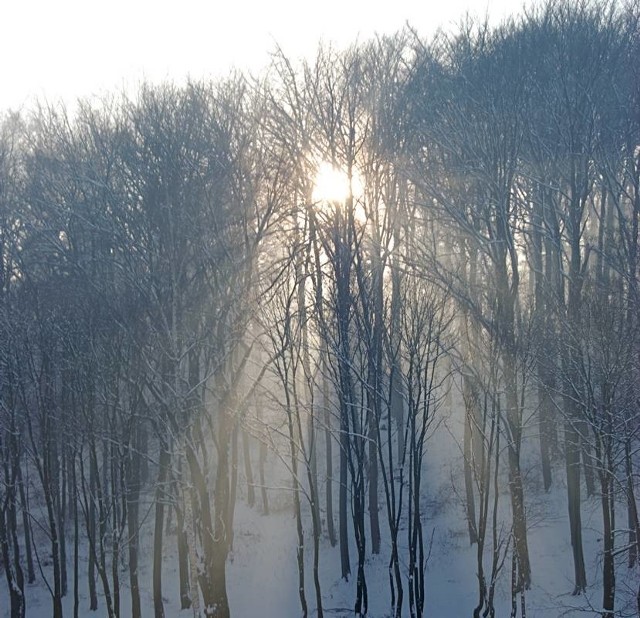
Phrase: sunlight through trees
(302, 293)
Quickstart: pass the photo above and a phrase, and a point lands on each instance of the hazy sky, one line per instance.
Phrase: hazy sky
(70, 48)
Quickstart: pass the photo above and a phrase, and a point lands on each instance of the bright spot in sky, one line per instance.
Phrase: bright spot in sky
(332, 187)
(65, 49)
(331, 184)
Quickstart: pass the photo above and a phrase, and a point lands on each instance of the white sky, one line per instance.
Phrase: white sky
(75, 48)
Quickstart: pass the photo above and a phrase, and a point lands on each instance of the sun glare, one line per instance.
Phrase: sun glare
(331, 184)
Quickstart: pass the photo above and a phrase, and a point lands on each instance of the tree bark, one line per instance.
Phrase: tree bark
(248, 471)
(133, 506)
(160, 499)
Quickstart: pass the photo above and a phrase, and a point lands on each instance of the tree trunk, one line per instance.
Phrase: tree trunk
(608, 566)
(263, 487)
(76, 542)
(632, 510)
(8, 527)
(328, 443)
(16, 596)
(545, 357)
(233, 484)
(50, 489)
(216, 602)
(514, 421)
(470, 401)
(587, 464)
(133, 496)
(183, 559)
(160, 499)
(293, 453)
(374, 519)
(572, 449)
(91, 530)
(181, 539)
(374, 396)
(362, 596)
(248, 472)
(519, 519)
(342, 267)
(26, 526)
(62, 516)
(342, 497)
(545, 412)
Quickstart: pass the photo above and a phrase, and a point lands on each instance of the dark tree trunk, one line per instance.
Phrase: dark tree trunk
(342, 497)
(632, 511)
(26, 526)
(216, 530)
(91, 529)
(104, 507)
(397, 395)
(374, 396)
(182, 540)
(587, 463)
(470, 401)
(133, 505)
(115, 550)
(317, 531)
(545, 357)
(16, 596)
(55, 551)
(62, 517)
(183, 560)
(219, 601)
(608, 566)
(76, 541)
(545, 412)
(293, 453)
(328, 435)
(10, 549)
(374, 519)
(342, 267)
(328, 443)
(571, 363)
(50, 489)
(572, 449)
(160, 499)
(12, 520)
(519, 523)
(362, 596)
(514, 422)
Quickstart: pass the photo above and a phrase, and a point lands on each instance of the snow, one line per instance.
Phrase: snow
(262, 570)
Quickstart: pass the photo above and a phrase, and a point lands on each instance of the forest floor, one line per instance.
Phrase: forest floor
(262, 570)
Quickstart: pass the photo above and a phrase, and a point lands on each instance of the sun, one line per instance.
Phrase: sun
(332, 187)
(331, 184)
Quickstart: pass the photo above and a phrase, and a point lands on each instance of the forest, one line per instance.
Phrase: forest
(291, 295)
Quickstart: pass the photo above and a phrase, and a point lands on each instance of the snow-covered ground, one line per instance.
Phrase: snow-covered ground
(262, 570)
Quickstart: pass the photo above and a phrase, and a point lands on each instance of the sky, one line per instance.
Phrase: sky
(65, 49)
